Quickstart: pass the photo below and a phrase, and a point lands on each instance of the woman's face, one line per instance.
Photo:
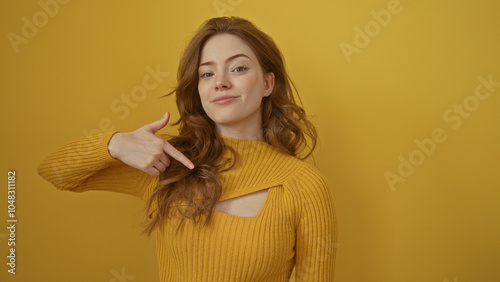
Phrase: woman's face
(231, 86)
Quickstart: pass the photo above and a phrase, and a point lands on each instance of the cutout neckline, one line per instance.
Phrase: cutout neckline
(261, 211)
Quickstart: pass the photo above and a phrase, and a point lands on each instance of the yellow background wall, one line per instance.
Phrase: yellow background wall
(410, 149)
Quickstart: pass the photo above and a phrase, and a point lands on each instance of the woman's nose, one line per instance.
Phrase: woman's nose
(222, 82)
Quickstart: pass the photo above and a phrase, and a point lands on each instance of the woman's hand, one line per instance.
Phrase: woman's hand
(143, 150)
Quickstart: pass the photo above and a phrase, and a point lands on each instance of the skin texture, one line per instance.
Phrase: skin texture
(241, 77)
(143, 150)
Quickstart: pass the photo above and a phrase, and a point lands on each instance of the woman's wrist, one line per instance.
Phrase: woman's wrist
(112, 144)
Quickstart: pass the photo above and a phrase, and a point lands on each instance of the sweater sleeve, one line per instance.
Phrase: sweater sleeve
(85, 164)
(316, 231)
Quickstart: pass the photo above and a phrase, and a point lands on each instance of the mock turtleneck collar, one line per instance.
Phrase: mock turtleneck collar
(258, 166)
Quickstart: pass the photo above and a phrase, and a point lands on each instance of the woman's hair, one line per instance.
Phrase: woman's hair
(285, 127)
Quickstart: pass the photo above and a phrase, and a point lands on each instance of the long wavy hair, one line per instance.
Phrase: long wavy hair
(285, 126)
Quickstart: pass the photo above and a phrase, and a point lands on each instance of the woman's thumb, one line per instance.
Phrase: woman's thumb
(159, 124)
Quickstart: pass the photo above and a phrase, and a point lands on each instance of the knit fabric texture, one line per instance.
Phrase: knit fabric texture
(295, 228)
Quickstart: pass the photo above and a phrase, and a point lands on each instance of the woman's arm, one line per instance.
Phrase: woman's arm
(115, 161)
(316, 233)
(85, 164)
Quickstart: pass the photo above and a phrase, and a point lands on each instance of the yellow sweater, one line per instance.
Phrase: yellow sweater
(295, 227)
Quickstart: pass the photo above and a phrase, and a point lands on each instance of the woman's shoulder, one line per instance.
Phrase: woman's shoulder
(307, 178)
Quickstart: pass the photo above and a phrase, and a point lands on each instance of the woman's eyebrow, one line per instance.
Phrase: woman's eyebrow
(227, 60)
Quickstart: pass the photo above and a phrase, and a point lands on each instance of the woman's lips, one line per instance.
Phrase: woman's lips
(224, 99)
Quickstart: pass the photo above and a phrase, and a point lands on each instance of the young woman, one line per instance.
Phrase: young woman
(235, 167)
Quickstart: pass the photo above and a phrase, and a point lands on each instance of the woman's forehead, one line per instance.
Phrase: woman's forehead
(221, 47)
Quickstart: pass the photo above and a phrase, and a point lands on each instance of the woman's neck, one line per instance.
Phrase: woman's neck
(241, 133)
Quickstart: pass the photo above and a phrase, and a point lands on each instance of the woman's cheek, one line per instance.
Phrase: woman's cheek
(203, 91)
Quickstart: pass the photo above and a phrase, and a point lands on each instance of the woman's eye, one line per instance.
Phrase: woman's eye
(207, 74)
(240, 69)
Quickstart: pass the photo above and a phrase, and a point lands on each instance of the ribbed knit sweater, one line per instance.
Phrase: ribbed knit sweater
(296, 226)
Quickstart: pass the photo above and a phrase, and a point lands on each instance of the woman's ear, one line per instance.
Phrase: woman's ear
(268, 83)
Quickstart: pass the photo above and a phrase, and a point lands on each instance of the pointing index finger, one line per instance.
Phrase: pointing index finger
(176, 154)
